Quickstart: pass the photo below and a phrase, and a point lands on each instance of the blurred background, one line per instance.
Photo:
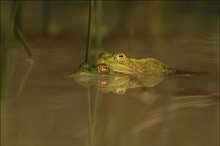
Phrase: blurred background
(44, 107)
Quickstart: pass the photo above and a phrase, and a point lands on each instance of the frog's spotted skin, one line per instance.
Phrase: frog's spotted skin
(99, 69)
(118, 62)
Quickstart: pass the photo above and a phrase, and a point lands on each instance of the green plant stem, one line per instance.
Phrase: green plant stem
(5, 39)
(23, 41)
(89, 37)
(99, 26)
(4, 64)
(14, 29)
(14, 17)
(3, 84)
(18, 17)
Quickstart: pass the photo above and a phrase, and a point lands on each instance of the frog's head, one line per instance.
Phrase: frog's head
(118, 62)
(87, 74)
(86, 69)
(90, 70)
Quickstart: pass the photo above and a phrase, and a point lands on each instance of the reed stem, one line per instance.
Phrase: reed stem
(89, 36)
(4, 65)
(3, 83)
(14, 28)
(99, 26)
(23, 41)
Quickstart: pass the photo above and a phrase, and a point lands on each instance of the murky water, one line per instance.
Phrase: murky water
(46, 108)
(52, 109)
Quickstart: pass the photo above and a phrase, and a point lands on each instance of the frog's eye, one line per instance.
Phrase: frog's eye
(120, 91)
(103, 68)
(102, 83)
(120, 57)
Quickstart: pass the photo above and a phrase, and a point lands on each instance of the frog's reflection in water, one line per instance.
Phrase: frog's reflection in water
(118, 83)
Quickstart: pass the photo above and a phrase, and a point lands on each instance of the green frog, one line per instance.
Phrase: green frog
(120, 63)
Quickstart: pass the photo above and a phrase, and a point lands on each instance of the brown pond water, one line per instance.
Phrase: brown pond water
(44, 107)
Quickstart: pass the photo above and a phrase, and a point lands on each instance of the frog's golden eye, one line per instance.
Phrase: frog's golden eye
(103, 68)
(120, 57)
(120, 91)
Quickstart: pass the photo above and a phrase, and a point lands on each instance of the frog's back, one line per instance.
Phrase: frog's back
(152, 66)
